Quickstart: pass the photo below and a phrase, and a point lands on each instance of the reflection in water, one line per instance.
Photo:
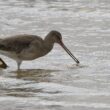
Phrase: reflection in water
(37, 75)
(74, 66)
(26, 82)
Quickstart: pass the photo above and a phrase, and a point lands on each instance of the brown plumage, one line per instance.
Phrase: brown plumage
(29, 47)
(18, 43)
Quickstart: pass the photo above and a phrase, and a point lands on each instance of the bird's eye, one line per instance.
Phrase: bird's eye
(59, 38)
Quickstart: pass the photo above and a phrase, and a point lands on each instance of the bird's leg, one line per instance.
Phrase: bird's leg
(18, 64)
(3, 65)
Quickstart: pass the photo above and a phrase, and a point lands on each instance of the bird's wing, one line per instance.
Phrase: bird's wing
(18, 43)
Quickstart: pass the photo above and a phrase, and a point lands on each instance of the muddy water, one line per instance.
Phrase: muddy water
(54, 82)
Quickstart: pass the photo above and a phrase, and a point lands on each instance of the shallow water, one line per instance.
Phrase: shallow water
(54, 82)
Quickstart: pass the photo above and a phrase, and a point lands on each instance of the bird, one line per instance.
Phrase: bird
(26, 47)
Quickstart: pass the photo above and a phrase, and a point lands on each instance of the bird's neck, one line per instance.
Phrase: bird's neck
(48, 43)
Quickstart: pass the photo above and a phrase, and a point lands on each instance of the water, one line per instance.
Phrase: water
(54, 82)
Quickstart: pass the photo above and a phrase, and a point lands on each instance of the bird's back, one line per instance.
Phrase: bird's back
(18, 43)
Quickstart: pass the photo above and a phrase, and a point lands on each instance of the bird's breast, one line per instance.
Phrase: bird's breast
(35, 51)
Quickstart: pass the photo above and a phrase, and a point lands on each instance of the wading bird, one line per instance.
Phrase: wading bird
(29, 47)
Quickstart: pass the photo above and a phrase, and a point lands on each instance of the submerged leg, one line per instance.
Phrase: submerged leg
(18, 64)
(3, 64)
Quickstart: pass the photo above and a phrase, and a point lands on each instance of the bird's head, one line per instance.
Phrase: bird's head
(56, 37)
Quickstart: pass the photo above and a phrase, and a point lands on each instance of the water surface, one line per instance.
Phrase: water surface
(54, 82)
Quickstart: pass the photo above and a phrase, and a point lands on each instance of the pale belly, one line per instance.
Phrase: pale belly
(20, 56)
(8, 54)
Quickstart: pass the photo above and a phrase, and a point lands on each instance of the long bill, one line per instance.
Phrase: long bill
(68, 51)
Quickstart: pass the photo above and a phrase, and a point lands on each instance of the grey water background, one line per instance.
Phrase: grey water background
(54, 82)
